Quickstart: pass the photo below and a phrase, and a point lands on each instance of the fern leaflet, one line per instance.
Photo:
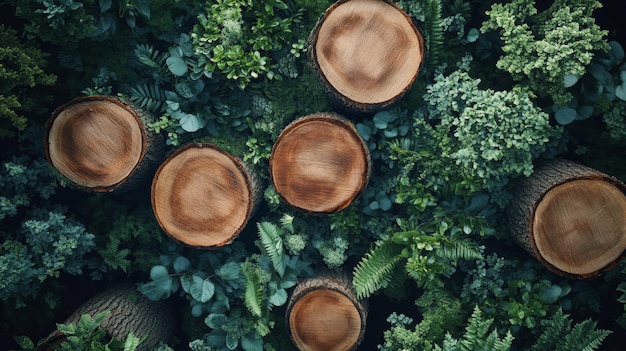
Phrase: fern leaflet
(147, 55)
(272, 245)
(253, 296)
(374, 270)
(148, 97)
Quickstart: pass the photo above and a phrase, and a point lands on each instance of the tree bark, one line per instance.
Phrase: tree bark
(323, 314)
(367, 53)
(203, 196)
(571, 217)
(100, 144)
(130, 311)
(319, 163)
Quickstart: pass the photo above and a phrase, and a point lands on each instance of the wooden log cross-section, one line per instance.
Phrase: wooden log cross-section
(202, 196)
(101, 144)
(319, 163)
(366, 52)
(323, 314)
(129, 312)
(571, 217)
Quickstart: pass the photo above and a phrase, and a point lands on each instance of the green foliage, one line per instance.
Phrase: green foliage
(399, 337)
(542, 48)
(86, 335)
(477, 336)
(374, 271)
(615, 120)
(492, 136)
(237, 38)
(21, 71)
(558, 334)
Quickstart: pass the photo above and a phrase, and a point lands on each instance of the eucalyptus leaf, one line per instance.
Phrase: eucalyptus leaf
(181, 264)
(159, 273)
(176, 65)
(565, 115)
(473, 35)
(201, 289)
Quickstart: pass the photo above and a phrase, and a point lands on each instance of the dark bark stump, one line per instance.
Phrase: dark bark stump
(101, 144)
(203, 197)
(323, 314)
(571, 217)
(130, 311)
(319, 163)
(367, 53)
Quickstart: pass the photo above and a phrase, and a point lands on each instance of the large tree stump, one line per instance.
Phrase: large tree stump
(571, 217)
(366, 52)
(203, 196)
(319, 163)
(323, 314)
(101, 144)
(130, 311)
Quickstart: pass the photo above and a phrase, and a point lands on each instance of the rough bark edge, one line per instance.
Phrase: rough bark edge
(343, 122)
(152, 153)
(339, 100)
(336, 282)
(253, 184)
(153, 318)
(530, 192)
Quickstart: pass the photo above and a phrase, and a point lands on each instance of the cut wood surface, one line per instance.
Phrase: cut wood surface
(571, 217)
(130, 312)
(99, 143)
(202, 196)
(319, 163)
(367, 52)
(324, 314)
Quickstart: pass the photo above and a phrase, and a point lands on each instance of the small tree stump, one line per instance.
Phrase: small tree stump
(130, 312)
(319, 163)
(323, 314)
(366, 52)
(202, 196)
(571, 217)
(101, 144)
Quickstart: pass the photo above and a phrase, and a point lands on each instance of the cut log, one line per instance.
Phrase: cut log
(202, 196)
(366, 52)
(323, 314)
(571, 217)
(319, 163)
(101, 144)
(130, 312)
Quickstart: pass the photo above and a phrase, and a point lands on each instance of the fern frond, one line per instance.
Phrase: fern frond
(132, 342)
(455, 250)
(150, 57)
(148, 97)
(433, 30)
(558, 334)
(253, 295)
(272, 245)
(585, 336)
(374, 270)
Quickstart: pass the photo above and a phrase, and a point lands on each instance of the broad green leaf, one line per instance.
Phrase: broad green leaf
(473, 35)
(159, 273)
(184, 90)
(551, 294)
(565, 115)
(600, 73)
(364, 131)
(584, 112)
(181, 264)
(105, 5)
(569, 80)
(229, 271)
(252, 342)
(215, 321)
(24, 342)
(143, 6)
(185, 281)
(616, 52)
(382, 119)
(176, 65)
(201, 289)
(191, 123)
(279, 298)
(232, 341)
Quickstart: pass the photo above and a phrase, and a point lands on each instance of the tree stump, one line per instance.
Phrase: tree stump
(101, 144)
(319, 163)
(203, 196)
(130, 311)
(366, 52)
(323, 314)
(571, 217)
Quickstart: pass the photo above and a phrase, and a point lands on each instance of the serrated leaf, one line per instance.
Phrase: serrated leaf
(201, 289)
(565, 115)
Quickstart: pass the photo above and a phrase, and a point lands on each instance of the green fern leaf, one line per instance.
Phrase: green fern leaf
(456, 250)
(148, 97)
(147, 55)
(132, 342)
(374, 270)
(253, 295)
(272, 245)
(433, 29)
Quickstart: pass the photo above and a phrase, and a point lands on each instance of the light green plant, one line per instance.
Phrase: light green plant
(477, 336)
(558, 334)
(540, 49)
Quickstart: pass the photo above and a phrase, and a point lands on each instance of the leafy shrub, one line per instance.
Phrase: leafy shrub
(21, 71)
